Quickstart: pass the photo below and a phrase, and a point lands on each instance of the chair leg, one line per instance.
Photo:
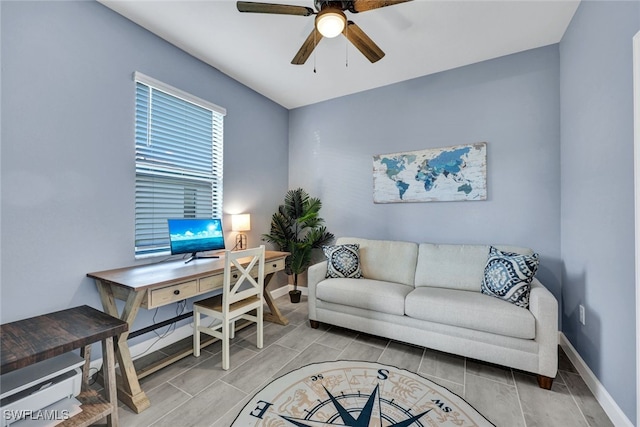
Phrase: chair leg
(260, 327)
(225, 345)
(196, 333)
(232, 333)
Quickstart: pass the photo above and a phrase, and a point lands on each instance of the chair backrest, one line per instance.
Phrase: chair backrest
(233, 280)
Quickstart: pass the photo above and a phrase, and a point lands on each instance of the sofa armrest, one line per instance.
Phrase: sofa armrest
(544, 307)
(316, 273)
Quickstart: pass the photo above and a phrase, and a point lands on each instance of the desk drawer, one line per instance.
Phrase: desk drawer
(269, 267)
(163, 296)
(210, 283)
(272, 266)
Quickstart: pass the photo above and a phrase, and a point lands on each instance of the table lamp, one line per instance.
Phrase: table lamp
(240, 223)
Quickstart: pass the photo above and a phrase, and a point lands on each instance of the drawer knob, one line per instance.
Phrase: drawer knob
(235, 276)
(275, 265)
(176, 292)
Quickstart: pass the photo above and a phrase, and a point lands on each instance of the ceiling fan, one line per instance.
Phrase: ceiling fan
(330, 21)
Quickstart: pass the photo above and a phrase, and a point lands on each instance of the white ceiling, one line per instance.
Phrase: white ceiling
(419, 38)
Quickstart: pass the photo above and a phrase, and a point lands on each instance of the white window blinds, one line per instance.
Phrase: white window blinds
(179, 140)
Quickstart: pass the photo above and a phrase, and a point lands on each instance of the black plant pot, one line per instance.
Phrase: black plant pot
(294, 296)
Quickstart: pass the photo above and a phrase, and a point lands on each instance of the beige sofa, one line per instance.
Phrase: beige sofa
(430, 295)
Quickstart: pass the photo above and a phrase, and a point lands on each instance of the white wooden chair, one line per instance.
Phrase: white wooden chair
(235, 303)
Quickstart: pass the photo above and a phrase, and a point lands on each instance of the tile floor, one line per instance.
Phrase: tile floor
(197, 392)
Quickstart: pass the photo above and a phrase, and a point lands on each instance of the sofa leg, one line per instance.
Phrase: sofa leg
(314, 324)
(545, 382)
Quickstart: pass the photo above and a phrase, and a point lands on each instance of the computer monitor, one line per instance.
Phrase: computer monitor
(193, 235)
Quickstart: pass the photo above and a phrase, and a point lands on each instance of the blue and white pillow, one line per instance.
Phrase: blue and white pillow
(343, 261)
(508, 276)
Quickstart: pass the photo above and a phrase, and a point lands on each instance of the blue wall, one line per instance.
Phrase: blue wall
(558, 123)
(68, 148)
(512, 103)
(598, 192)
(560, 173)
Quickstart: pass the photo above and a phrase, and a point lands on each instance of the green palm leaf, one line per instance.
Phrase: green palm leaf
(298, 229)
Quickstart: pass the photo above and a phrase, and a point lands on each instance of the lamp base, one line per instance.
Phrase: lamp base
(241, 241)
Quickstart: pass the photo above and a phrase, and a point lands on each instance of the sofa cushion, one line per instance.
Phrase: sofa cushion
(508, 276)
(386, 260)
(343, 261)
(385, 297)
(455, 266)
(471, 310)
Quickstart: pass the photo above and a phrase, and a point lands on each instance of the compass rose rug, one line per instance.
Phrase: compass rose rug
(356, 394)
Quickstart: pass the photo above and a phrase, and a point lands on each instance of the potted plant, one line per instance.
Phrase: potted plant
(296, 228)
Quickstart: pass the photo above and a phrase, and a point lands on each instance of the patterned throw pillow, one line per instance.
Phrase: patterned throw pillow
(508, 276)
(343, 261)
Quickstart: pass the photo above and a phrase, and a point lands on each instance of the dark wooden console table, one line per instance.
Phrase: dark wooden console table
(28, 341)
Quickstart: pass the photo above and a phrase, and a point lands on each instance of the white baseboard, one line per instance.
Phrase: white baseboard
(284, 290)
(618, 418)
(602, 396)
(155, 343)
(152, 344)
(303, 289)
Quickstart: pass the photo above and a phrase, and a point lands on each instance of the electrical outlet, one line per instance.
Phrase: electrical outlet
(582, 320)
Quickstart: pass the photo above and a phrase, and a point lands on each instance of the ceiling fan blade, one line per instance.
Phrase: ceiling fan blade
(307, 47)
(362, 42)
(281, 9)
(364, 5)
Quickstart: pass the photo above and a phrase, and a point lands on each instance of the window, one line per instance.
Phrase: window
(178, 161)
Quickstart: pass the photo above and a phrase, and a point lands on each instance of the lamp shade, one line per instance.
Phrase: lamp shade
(330, 22)
(241, 222)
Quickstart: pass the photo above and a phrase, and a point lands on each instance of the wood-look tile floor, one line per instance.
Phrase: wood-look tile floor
(197, 392)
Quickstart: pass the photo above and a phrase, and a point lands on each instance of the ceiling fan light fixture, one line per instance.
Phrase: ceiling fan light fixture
(330, 22)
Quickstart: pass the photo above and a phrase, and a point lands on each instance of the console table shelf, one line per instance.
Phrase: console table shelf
(28, 341)
(94, 408)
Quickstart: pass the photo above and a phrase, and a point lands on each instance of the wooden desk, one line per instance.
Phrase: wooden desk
(155, 285)
(29, 341)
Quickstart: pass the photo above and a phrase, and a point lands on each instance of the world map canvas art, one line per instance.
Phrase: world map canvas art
(435, 174)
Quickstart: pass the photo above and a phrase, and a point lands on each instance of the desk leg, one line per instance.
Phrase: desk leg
(129, 390)
(274, 316)
(110, 380)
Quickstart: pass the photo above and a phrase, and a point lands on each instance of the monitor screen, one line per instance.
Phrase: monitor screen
(191, 235)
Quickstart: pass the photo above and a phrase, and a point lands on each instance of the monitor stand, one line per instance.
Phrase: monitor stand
(195, 256)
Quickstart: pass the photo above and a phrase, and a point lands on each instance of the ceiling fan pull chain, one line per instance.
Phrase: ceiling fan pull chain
(346, 47)
(315, 44)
